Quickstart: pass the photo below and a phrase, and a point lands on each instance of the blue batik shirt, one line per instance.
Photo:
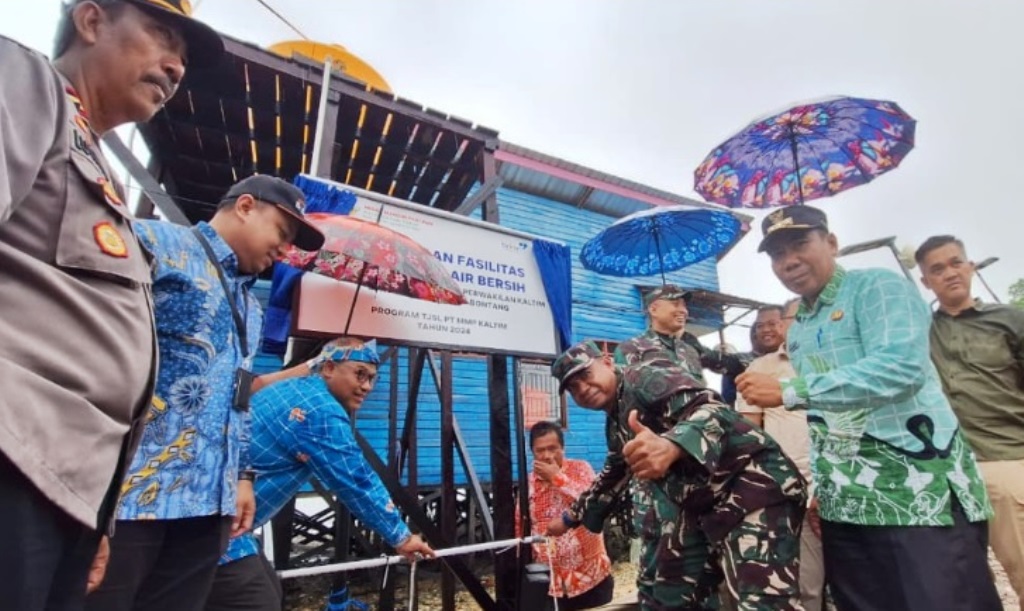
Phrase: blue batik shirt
(299, 431)
(195, 442)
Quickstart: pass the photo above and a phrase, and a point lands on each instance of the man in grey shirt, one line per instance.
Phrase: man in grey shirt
(77, 345)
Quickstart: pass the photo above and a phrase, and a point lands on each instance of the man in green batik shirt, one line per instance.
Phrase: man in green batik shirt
(726, 501)
(903, 507)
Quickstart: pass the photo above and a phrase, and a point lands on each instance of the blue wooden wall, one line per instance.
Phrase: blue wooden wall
(603, 308)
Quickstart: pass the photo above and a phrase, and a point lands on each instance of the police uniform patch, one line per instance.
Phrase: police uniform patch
(109, 191)
(110, 240)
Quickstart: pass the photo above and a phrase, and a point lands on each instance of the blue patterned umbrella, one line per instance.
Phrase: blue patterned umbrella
(659, 240)
(812, 150)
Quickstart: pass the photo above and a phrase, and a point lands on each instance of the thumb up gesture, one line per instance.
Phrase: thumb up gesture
(649, 456)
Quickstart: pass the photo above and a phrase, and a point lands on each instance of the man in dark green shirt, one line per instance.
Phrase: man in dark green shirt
(978, 350)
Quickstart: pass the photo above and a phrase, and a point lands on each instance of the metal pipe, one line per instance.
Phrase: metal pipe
(370, 563)
(987, 287)
(318, 137)
(903, 268)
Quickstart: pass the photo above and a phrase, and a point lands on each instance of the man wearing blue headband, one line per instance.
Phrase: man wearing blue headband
(302, 428)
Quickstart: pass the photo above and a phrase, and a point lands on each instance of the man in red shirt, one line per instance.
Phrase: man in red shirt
(580, 565)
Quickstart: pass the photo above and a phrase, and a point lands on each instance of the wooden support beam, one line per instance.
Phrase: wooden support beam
(520, 441)
(391, 355)
(485, 191)
(281, 527)
(506, 571)
(448, 501)
(409, 504)
(464, 457)
(473, 479)
(489, 171)
(417, 357)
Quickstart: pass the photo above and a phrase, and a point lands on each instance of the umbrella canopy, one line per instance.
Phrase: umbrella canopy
(812, 150)
(376, 257)
(660, 240)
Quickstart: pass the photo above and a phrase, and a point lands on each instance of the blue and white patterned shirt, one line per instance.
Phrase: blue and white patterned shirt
(188, 460)
(299, 431)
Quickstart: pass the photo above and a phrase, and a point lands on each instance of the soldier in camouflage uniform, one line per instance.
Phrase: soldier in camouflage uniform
(666, 338)
(725, 499)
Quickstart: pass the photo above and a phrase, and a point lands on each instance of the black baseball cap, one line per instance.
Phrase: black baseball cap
(205, 45)
(791, 218)
(288, 198)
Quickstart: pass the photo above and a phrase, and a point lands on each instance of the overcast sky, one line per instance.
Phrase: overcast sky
(645, 89)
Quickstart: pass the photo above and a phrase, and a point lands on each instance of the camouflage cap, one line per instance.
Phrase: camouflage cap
(574, 360)
(667, 292)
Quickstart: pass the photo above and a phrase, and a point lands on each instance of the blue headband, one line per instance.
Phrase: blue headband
(366, 353)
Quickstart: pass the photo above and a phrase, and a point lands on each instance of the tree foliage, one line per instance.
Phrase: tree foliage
(1017, 293)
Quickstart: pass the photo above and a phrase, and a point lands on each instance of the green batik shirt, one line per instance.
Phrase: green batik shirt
(886, 448)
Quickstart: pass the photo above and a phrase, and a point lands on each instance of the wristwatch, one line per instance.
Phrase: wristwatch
(247, 475)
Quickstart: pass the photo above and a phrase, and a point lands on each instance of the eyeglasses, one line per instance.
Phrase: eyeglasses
(364, 376)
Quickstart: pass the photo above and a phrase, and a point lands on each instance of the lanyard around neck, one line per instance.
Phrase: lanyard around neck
(243, 338)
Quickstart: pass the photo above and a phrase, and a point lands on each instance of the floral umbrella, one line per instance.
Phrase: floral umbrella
(376, 257)
(658, 240)
(812, 150)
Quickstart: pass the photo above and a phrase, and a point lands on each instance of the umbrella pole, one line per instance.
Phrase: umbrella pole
(796, 164)
(355, 298)
(657, 246)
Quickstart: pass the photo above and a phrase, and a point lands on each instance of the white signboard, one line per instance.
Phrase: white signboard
(506, 309)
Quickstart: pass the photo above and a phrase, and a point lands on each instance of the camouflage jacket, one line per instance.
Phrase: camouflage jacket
(686, 350)
(729, 467)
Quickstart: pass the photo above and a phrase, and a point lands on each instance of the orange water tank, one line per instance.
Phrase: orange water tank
(341, 59)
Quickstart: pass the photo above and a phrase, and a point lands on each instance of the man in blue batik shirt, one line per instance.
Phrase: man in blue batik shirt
(189, 486)
(302, 428)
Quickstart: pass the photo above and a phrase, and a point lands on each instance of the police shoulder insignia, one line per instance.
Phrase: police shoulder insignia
(837, 315)
(110, 240)
(109, 191)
